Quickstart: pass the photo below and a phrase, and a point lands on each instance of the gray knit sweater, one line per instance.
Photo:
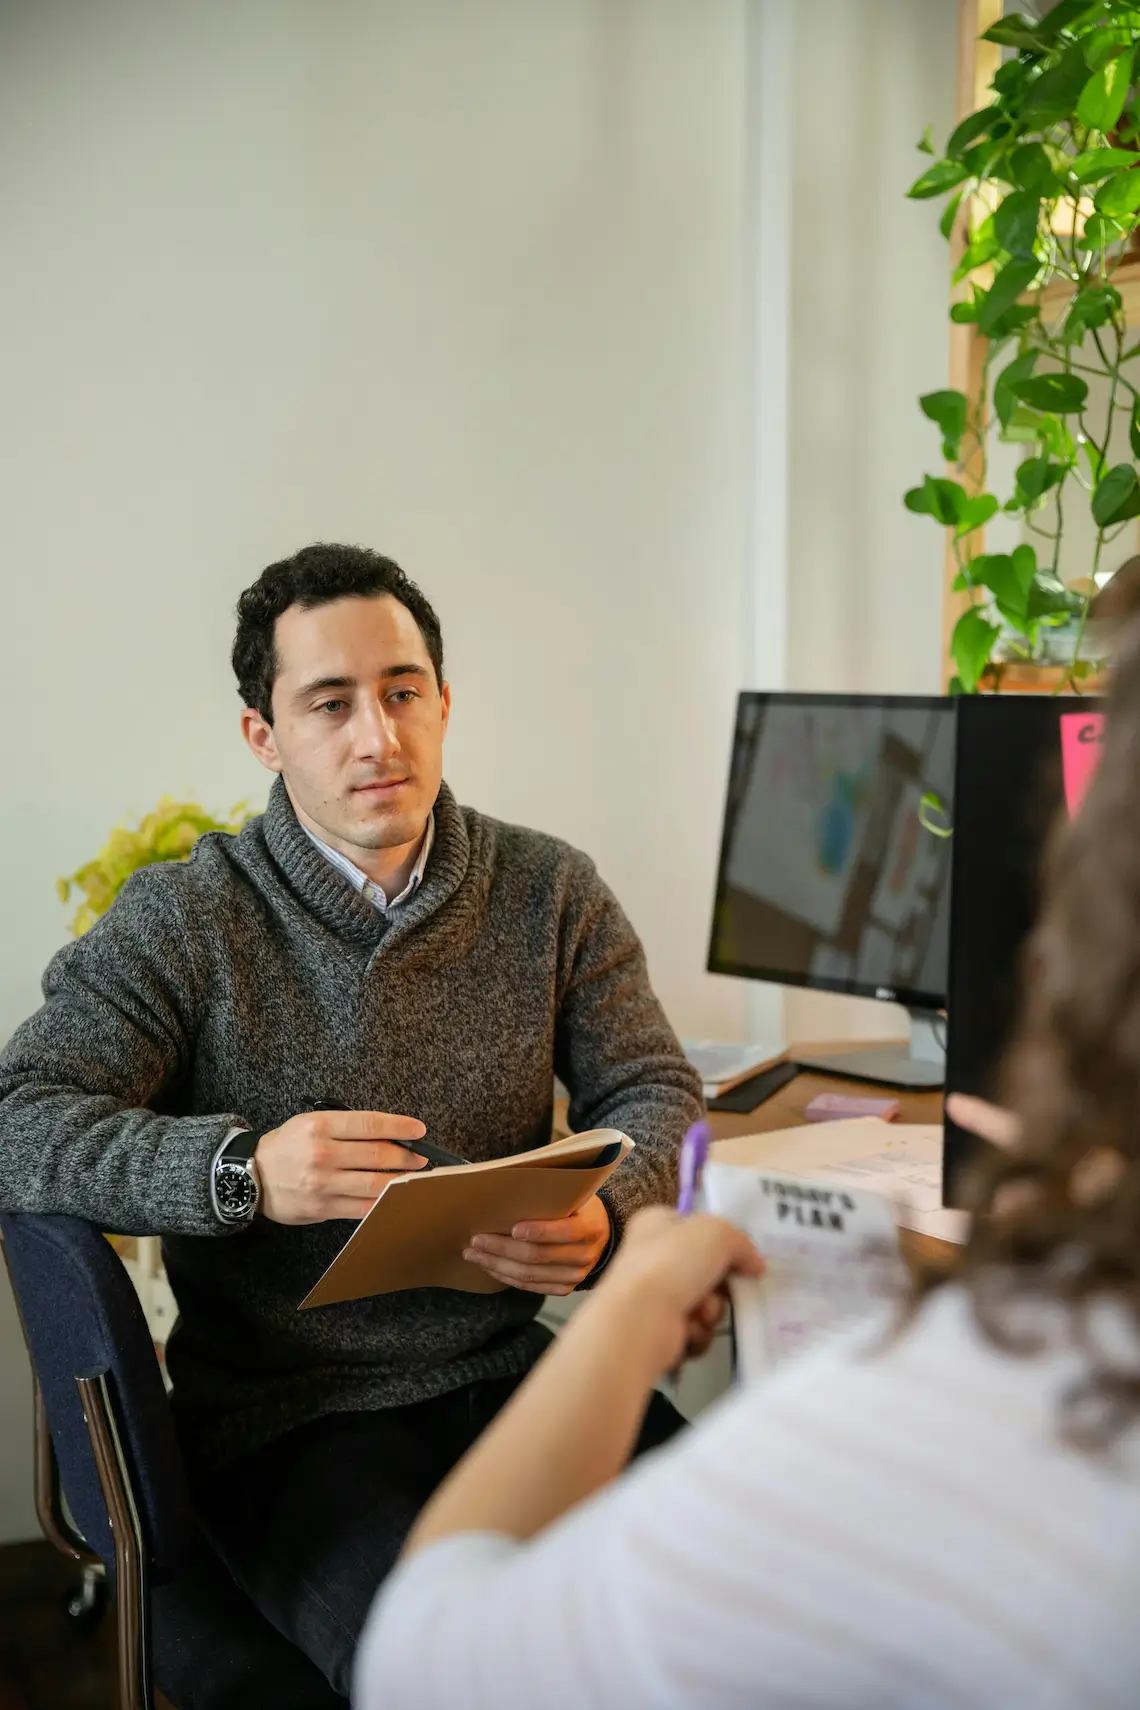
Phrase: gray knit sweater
(252, 981)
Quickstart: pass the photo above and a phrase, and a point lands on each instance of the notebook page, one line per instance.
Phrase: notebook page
(832, 1258)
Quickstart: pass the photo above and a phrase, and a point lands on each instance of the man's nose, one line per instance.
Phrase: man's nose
(375, 733)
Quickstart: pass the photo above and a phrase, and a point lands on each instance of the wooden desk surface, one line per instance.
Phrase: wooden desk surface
(785, 1109)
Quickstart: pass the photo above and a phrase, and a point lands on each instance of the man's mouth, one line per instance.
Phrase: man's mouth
(380, 787)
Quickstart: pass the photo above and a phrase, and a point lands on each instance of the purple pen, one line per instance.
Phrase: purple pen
(694, 1151)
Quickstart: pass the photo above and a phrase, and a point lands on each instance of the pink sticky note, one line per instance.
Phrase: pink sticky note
(1081, 736)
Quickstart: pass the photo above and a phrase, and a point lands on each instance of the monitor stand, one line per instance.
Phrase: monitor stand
(918, 1068)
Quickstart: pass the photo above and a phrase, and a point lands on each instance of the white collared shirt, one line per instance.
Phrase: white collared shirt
(368, 888)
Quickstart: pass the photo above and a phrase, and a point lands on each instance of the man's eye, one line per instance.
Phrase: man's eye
(331, 706)
(404, 695)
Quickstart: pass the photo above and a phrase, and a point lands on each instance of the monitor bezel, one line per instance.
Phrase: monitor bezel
(911, 997)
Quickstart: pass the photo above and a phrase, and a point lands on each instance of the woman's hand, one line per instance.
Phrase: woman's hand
(988, 1121)
(667, 1281)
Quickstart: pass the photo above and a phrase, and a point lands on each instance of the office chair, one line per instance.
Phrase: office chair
(104, 1433)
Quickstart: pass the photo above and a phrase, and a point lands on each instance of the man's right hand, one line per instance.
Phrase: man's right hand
(327, 1164)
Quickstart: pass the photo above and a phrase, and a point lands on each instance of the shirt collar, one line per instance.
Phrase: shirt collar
(368, 888)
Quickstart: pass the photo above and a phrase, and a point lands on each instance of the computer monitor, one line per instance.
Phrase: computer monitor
(832, 872)
(1009, 791)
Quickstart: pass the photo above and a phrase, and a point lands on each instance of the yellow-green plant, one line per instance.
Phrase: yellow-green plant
(168, 833)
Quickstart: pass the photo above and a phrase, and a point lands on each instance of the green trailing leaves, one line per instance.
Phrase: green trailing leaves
(925, 144)
(1051, 604)
(949, 504)
(975, 513)
(1015, 222)
(1051, 96)
(971, 646)
(982, 248)
(950, 214)
(1005, 398)
(1092, 307)
(1036, 477)
(1096, 163)
(1099, 232)
(1058, 394)
(948, 411)
(1110, 40)
(1009, 283)
(937, 498)
(1015, 32)
(943, 175)
(1058, 143)
(1031, 169)
(1102, 99)
(1011, 320)
(1009, 576)
(973, 126)
(1119, 196)
(1062, 15)
(1117, 496)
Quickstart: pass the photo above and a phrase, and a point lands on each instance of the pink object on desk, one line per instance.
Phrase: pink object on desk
(1081, 738)
(833, 1107)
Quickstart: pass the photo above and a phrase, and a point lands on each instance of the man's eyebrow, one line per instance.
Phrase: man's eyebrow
(307, 689)
(389, 671)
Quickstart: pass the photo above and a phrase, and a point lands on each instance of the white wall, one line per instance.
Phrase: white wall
(459, 280)
(869, 334)
(468, 281)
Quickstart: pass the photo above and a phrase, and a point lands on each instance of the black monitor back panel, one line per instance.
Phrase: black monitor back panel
(1008, 792)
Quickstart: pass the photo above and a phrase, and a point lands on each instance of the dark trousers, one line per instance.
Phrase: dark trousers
(310, 1524)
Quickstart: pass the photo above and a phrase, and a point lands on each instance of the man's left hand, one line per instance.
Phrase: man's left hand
(550, 1257)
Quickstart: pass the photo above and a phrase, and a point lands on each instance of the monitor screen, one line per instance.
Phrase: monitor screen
(830, 872)
(1020, 758)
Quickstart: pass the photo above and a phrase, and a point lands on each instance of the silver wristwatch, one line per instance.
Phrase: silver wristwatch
(235, 1191)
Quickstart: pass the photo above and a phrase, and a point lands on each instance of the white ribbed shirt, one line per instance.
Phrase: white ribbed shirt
(903, 1530)
(368, 888)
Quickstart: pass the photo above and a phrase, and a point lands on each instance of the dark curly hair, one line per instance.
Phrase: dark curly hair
(313, 577)
(1058, 1216)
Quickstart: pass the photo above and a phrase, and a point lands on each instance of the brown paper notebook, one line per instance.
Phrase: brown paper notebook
(415, 1234)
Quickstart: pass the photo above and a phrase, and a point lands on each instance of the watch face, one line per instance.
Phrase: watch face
(235, 1190)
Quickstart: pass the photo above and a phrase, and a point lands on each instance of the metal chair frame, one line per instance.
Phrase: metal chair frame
(132, 1586)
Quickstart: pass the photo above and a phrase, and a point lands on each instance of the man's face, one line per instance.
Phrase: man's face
(358, 721)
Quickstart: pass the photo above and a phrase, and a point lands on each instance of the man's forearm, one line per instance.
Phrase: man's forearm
(130, 1170)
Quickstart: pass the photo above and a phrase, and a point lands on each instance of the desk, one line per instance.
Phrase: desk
(785, 1109)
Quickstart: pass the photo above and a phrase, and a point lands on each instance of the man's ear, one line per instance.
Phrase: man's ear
(445, 700)
(262, 743)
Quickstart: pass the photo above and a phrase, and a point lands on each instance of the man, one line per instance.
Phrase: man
(364, 943)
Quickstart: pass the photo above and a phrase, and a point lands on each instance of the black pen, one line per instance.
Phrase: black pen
(437, 1156)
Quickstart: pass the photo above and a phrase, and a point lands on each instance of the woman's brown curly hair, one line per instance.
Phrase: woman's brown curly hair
(1058, 1217)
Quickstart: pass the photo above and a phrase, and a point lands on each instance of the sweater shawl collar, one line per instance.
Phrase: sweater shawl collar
(451, 896)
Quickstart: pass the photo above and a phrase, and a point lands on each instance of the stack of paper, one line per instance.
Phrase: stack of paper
(722, 1067)
(831, 1260)
(900, 1161)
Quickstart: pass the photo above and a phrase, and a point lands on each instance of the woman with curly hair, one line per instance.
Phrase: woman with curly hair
(951, 1519)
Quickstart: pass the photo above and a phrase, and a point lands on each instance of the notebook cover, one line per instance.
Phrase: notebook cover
(415, 1234)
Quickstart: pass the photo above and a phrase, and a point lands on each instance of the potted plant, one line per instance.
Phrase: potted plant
(168, 833)
(1042, 191)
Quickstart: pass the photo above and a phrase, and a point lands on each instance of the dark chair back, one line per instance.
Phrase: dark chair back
(83, 1319)
(118, 1461)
